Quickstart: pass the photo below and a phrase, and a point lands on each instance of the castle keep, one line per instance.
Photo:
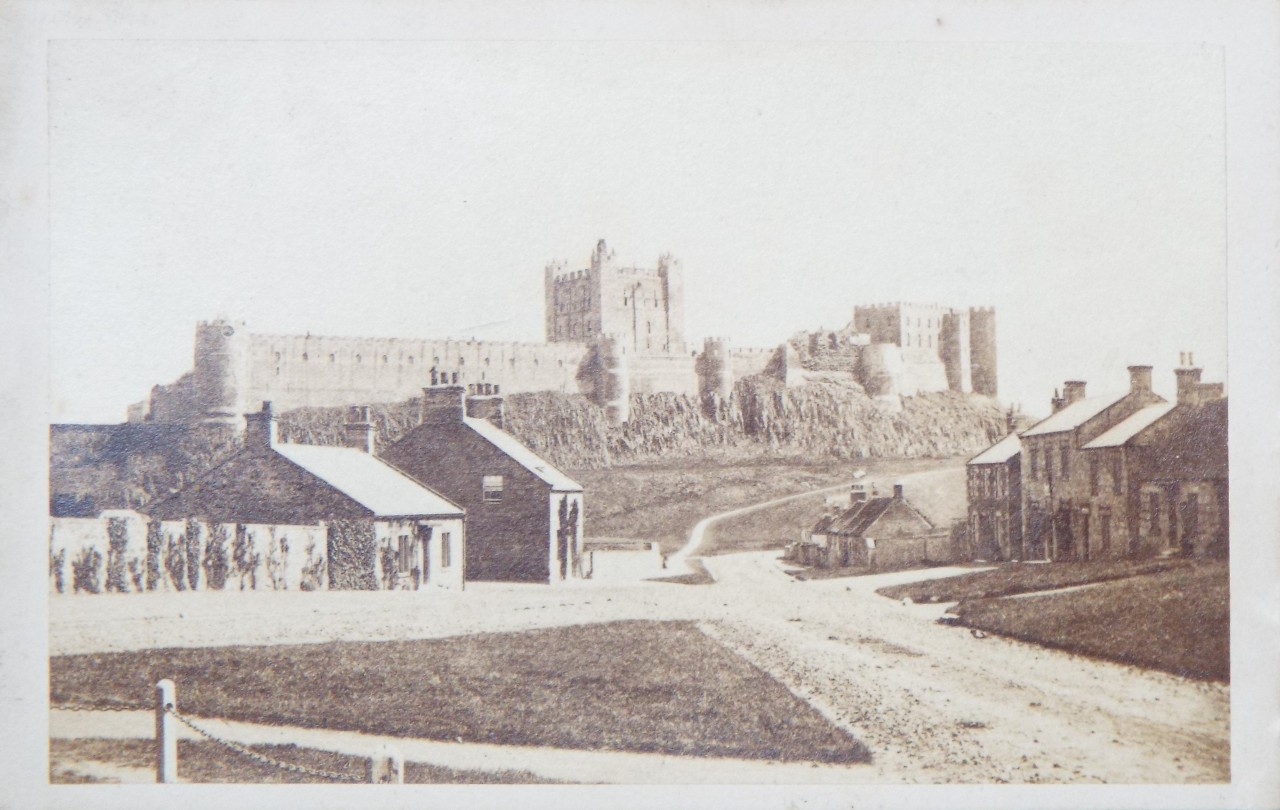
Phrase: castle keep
(611, 331)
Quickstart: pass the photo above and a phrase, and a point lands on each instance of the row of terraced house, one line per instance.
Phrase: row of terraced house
(1125, 475)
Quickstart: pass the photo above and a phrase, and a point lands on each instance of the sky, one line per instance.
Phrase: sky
(417, 189)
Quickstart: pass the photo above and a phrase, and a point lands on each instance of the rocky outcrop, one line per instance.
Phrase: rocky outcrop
(829, 417)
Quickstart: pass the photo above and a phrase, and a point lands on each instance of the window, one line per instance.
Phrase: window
(1117, 472)
(446, 552)
(1105, 519)
(1153, 515)
(1065, 451)
(1033, 458)
(1048, 462)
(492, 488)
(1093, 475)
(404, 555)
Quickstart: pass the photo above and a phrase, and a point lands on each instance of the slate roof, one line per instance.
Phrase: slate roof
(1000, 452)
(522, 455)
(1142, 419)
(1072, 416)
(370, 482)
(857, 520)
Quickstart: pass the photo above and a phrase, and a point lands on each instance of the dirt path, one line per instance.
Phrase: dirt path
(936, 704)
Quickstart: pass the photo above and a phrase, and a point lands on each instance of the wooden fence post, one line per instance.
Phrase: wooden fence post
(166, 733)
(386, 767)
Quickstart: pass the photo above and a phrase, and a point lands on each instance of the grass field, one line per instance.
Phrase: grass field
(1014, 578)
(661, 687)
(1171, 615)
(200, 761)
(941, 501)
(662, 502)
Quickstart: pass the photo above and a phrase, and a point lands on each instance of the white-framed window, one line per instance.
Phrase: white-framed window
(491, 486)
(446, 550)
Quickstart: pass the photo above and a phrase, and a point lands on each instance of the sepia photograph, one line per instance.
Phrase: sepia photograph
(703, 404)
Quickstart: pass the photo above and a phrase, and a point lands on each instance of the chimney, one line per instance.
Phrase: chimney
(487, 407)
(897, 492)
(261, 431)
(442, 405)
(1057, 402)
(1073, 391)
(358, 432)
(1139, 379)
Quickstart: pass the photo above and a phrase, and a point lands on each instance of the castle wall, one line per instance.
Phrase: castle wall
(748, 362)
(294, 371)
(651, 374)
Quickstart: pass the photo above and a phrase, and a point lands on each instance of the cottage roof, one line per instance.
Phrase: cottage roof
(522, 455)
(369, 481)
(857, 520)
(1072, 416)
(1000, 452)
(1139, 421)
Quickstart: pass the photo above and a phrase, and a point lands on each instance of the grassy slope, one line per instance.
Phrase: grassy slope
(1014, 578)
(638, 686)
(942, 501)
(200, 761)
(662, 502)
(1172, 615)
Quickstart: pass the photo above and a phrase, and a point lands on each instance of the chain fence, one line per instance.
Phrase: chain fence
(262, 758)
(244, 751)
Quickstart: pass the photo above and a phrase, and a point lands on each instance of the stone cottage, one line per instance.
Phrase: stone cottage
(1158, 480)
(323, 517)
(875, 532)
(993, 484)
(1055, 480)
(524, 517)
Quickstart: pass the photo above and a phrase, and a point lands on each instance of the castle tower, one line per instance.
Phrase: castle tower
(715, 370)
(642, 307)
(671, 271)
(954, 351)
(221, 372)
(982, 350)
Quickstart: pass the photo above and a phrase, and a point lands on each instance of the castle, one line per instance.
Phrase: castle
(611, 331)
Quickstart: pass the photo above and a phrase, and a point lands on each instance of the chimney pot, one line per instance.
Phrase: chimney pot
(1073, 391)
(261, 429)
(358, 432)
(442, 404)
(897, 492)
(1139, 379)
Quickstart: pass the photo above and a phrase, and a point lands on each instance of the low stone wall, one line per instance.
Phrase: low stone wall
(623, 561)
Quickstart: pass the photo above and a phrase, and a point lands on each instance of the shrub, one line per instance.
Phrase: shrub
(192, 549)
(277, 564)
(117, 544)
(136, 575)
(245, 559)
(56, 569)
(353, 557)
(215, 558)
(86, 571)
(313, 570)
(388, 557)
(153, 554)
(175, 562)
